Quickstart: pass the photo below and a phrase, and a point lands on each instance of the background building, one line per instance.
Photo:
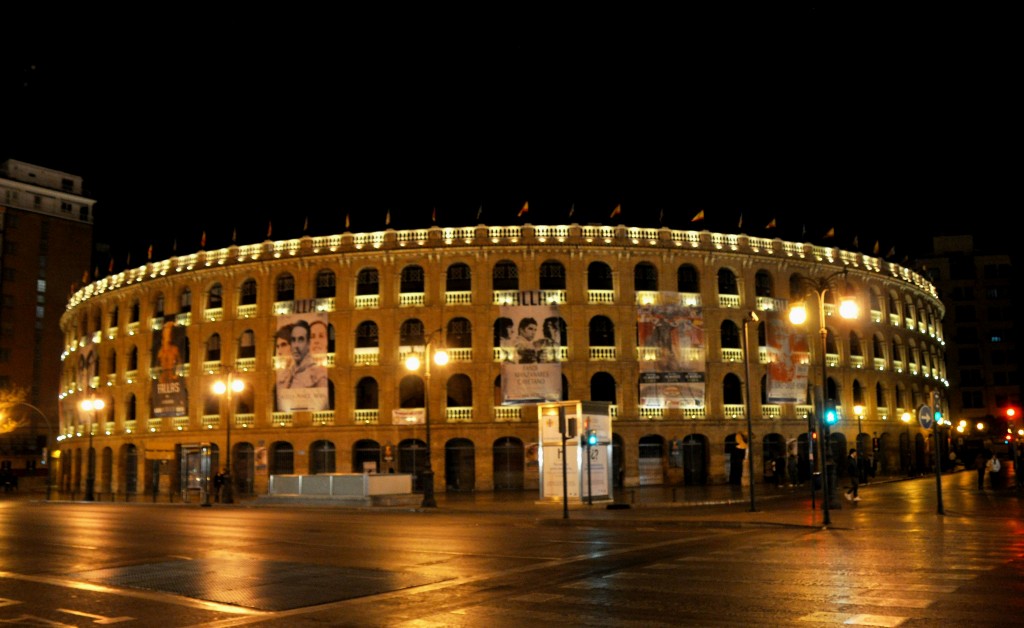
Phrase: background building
(45, 245)
(981, 289)
(151, 341)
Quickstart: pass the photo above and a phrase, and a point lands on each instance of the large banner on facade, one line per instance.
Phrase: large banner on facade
(88, 365)
(531, 343)
(673, 355)
(301, 379)
(788, 358)
(170, 398)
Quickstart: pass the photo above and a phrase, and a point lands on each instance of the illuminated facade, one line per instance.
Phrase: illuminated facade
(380, 293)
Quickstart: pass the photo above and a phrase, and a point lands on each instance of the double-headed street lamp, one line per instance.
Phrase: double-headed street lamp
(227, 388)
(749, 318)
(820, 287)
(413, 363)
(91, 406)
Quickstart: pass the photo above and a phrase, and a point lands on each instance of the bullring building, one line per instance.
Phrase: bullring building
(656, 323)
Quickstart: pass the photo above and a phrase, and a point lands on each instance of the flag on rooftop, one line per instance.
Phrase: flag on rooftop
(526, 208)
(771, 224)
(875, 250)
(740, 225)
(202, 241)
(831, 233)
(387, 218)
(348, 223)
(699, 216)
(270, 228)
(433, 216)
(616, 211)
(478, 213)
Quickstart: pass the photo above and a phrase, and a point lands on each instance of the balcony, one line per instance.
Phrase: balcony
(323, 417)
(324, 304)
(602, 354)
(247, 311)
(505, 297)
(601, 296)
(367, 417)
(458, 414)
(283, 308)
(507, 414)
(368, 356)
(732, 355)
(460, 297)
(367, 301)
(731, 301)
(213, 314)
(411, 299)
(281, 419)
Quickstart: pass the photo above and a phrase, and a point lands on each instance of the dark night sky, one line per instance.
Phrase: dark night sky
(888, 126)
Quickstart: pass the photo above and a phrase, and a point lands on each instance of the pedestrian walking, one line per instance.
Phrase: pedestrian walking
(218, 484)
(993, 466)
(793, 468)
(853, 470)
(779, 465)
(981, 465)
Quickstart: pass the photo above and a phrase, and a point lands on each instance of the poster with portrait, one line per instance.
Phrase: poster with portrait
(170, 398)
(532, 370)
(300, 376)
(88, 365)
(672, 350)
(788, 358)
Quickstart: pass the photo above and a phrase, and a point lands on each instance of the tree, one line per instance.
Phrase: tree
(11, 397)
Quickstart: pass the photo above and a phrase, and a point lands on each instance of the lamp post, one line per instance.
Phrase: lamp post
(906, 422)
(91, 406)
(749, 318)
(820, 286)
(413, 364)
(228, 388)
(859, 411)
(49, 466)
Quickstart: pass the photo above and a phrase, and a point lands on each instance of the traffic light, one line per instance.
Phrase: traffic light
(591, 438)
(831, 416)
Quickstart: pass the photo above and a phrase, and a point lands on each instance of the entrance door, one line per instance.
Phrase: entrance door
(460, 465)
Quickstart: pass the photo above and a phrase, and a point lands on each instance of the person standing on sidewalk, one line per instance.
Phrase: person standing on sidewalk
(980, 465)
(853, 470)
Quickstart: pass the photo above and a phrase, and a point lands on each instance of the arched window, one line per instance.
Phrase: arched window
(321, 457)
(285, 287)
(602, 387)
(325, 284)
(247, 344)
(763, 286)
(599, 276)
(185, 301)
(602, 332)
(366, 335)
(411, 334)
(457, 278)
(730, 335)
(460, 391)
(367, 282)
(247, 293)
(410, 392)
(367, 394)
(727, 282)
(505, 276)
(215, 297)
(282, 458)
(687, 279)
(459, 334)
(213, 348)
(552, 276)
(412, 280)
(645, 277)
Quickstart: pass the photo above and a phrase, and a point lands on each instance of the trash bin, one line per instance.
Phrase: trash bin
(817, 480)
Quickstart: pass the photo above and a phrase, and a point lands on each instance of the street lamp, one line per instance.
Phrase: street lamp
(49, 466)
(749, 318)
(820, 286)
(907, 457)
(91, 406)
(413, 364)
(859, 411)
(220, 387)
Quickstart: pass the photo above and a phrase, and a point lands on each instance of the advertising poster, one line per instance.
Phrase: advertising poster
(672, 354)
(88, 365)
(532, 371)
(300, 377)
(788, 358)
(169, 394)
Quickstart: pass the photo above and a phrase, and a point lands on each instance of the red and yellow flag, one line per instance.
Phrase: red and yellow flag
(616, 211)
(526, 208)
(699, 216)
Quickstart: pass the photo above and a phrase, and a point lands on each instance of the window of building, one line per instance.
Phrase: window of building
(505, 276)
(457, 278)
(325, 284)
(285, 287)
(687, 279)
(552, 276)
(367, 335)
(599, 276)
(247, 344)
(412, 280)
(215, 298)
(410, 333)
(763, 284)
(645, 277)
(247, 295)
(367, 282)
(726, 282)
(459, 334)
(602, 332)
